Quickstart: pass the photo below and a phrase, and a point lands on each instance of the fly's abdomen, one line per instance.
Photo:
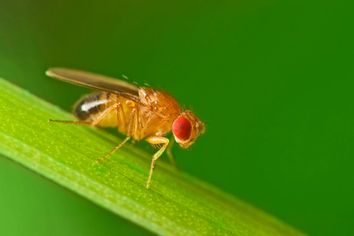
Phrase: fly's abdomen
(88, 107)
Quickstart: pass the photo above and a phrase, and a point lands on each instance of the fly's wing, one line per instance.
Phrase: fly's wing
(95, 81)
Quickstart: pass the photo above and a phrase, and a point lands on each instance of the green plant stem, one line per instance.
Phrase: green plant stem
(176, 203)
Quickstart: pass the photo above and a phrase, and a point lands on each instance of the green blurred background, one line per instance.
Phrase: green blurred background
(272, 80)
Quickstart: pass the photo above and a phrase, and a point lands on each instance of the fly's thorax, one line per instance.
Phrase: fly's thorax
(159, 102)
(158, 111)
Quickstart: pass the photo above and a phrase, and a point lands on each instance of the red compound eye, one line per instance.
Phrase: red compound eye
(182, 128)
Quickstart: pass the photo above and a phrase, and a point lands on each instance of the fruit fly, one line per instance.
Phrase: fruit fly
(138, 112)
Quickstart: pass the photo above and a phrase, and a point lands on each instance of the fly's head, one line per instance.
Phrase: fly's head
(186, 128)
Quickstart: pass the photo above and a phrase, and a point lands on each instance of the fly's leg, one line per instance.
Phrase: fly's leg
(120, 115)
(110, 153)
(72, 122)
(130, 122)
(133, 125)
(90, 123)
(155, 140)
(170, 154)
(120, 118)
(94, 123)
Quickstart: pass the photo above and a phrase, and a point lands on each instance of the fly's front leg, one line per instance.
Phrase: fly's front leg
(170, 154)
(155, 140)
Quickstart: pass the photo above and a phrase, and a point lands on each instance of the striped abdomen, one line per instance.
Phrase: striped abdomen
(89, 106)
(98, 108)
(106, 109)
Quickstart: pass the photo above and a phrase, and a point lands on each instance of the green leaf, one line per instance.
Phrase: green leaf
(176, 203)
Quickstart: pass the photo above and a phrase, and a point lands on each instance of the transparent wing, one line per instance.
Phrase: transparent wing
(95, 81)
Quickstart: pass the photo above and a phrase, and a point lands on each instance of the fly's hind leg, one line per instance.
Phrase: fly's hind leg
(156, 141)
(110, 153)
(90, 123)
(72, 122)
(120, 121)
